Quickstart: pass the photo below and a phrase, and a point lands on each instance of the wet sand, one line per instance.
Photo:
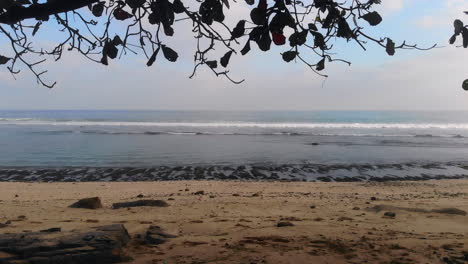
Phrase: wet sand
(237, 222)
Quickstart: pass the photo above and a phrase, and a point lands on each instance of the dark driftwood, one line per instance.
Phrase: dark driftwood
(101, 245)
(154, 203)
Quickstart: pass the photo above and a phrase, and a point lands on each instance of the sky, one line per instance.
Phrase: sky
(410, 80)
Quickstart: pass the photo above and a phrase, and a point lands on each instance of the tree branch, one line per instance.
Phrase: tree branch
(18, 13)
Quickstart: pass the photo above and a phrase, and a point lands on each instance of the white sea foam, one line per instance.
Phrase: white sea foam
(27, 121)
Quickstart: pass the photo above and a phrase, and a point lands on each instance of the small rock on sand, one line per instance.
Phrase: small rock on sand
(389, 214)
(284, 224)
(155, 235)
(88, 203)
(51, 230)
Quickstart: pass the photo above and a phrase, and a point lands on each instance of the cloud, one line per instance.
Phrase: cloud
(443, 17)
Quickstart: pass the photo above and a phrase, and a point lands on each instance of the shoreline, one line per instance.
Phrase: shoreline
(250, 172)
(237, 221)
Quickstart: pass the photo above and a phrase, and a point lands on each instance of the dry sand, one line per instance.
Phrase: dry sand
(236, 222)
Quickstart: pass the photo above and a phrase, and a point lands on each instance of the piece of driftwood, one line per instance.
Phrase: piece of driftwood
(153, 203)
(99, 245)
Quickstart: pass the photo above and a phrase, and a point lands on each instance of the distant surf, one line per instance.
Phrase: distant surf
(172, 138)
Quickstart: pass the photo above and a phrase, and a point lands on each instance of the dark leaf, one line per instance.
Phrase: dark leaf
(320, 65)
(246, 48)
(453, 39)
(313, 27)
(225, 59)
(121, 14)
(465, 85)
(298, 38)
(135, 3)
(226, 3)
(4, 60)
(178, 7)
(117, 41)
(239, 30)
(258, 16)
(250, 2)
(465, 37)
(152, 59)
(169, 54)
(458, 26)
(36, 28)
(278, 38)
(373, 18)
(289, 56)
(390, 47)
(212, 64)
(154, 18)
(264, 42)
(104, 60)
(344, 31)
(111, 50)
(168, 30)
(98, 9)
(280, 21)
(319, 40)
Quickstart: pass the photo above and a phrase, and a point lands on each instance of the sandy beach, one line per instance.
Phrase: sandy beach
(237, 222)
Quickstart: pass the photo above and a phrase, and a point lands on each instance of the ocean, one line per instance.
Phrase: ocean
(144, 139)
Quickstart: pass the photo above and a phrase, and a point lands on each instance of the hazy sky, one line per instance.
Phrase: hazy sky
(409, 80)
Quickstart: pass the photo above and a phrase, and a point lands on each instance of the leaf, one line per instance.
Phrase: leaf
(226, 3)
(4, 60)
(312, 27)
(289, 55)
(178, 7)
(298, 38)
(117, 41)
(264, 42)
(344, 31)
(225, 59)
(390, 47)
(458, 26)
(239, 30)
(258, 16)
(320, 65)
(278, 38)
(98, 9)
(246, 48)
(373, 18)
(168, 30)
(319, 40)
(121, 14)
(152, 59)
(169, 53)
(465, 37)
(465, 85)
(36, 28)
(135, 3)
(111, 50)
(453, 39)
(250, 2)
(212, 64)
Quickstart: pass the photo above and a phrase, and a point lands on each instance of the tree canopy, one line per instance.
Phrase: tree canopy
(106, 30)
